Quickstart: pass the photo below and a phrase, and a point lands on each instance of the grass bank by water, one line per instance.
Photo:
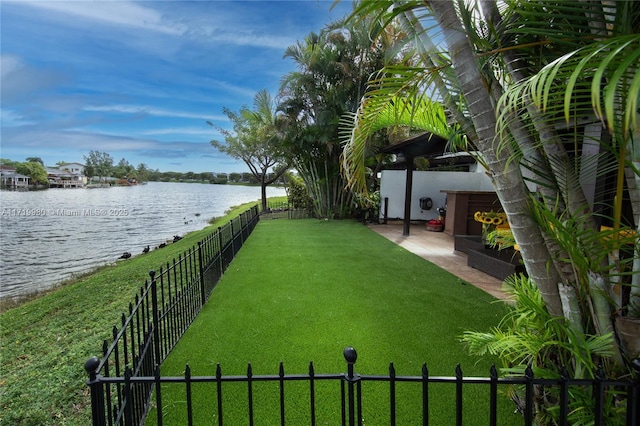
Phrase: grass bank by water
(303, 290)
(45, 341)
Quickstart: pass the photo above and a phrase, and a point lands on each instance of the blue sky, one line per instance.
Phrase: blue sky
(139, 79)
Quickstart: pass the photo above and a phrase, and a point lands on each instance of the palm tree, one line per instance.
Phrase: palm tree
(35, 160)
(528, 84)
(333, 69)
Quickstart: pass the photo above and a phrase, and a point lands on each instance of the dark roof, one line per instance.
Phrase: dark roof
(423, 145)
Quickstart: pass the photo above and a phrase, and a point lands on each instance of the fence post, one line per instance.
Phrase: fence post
(233, 237)
(202, 284)
(221, 250)
(97, 392)
(493, 396)
(128, 397)
(598, 395)
(458, 395)
(156, 320)
(529, 409)
(242, 225)
(350, 355)
(392, 394)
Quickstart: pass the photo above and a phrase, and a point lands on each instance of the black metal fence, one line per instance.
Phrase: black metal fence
(163, 310)
(285, 210)
(350, 410)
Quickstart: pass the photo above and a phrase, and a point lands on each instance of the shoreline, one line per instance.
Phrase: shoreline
(9, 302)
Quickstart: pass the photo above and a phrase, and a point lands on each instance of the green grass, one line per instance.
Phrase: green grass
(45, 341)
(302, 291)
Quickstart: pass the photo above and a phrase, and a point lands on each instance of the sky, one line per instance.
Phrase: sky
(140, 79)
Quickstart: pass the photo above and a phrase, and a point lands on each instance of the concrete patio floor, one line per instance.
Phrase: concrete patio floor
(437, 248)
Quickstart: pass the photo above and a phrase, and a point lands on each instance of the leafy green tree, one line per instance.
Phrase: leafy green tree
(124, 170)
(8, 162)
(255, 140)
(235, 177)
(297, 193)
(249, 177)
(98, 164)
(170, 176)
(143, 172)
(34, 170)
(547, 93)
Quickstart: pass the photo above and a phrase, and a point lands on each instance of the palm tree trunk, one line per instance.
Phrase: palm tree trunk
(572, 195)
(634, 300)
(537, 169)
(508, 183)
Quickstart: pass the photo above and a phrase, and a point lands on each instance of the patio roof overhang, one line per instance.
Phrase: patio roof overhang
(424, 145)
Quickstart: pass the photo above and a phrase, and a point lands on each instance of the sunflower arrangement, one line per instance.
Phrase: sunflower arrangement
(495, 229)
(491, 218)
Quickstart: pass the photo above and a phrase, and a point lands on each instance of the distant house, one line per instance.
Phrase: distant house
(67, 175)
(74, 168)
(9, 179)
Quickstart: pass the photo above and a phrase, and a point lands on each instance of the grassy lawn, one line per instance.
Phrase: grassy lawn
(44, 342)
(303, 290)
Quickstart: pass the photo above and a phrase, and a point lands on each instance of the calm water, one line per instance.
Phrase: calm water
(48, 236)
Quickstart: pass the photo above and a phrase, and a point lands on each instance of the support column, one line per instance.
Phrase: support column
(407, 196)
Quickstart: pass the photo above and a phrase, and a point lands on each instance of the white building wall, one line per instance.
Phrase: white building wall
(426, 184)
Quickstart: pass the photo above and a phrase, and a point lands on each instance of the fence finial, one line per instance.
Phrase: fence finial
(91, 364)
(350, 355)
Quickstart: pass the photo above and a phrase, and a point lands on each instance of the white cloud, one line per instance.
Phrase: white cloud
(10, 118)
(205, 130)
(240, 37)
(149, 110)
(9, 64)
(122, 13)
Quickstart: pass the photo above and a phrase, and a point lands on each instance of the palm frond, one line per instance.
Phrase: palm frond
(387, 108)
(608, 68)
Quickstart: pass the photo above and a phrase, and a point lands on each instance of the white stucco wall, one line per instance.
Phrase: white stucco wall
(426, 184)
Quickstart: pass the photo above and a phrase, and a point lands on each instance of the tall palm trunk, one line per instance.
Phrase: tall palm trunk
(330, 199)
(573, 194)
(634, 301)
(508, 183)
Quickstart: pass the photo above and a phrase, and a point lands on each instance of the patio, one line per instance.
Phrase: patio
(437, 248)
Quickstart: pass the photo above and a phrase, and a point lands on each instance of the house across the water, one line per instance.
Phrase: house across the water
(9, 179)
(67, 175)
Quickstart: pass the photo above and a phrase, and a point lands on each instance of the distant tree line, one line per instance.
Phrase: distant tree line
(100, 166)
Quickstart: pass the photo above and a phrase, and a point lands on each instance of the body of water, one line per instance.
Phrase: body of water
(50, 236)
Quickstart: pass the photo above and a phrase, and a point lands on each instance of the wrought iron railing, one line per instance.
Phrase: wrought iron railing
(163, 310)
(350, 386)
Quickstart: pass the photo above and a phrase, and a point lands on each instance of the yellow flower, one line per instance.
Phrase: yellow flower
(490, 218)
